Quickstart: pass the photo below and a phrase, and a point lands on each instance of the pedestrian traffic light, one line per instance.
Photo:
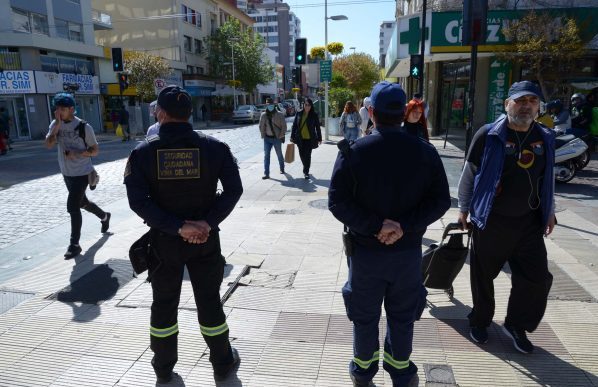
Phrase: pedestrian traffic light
(117, 59)
(123, 81)
(416, 67)
(301, 51)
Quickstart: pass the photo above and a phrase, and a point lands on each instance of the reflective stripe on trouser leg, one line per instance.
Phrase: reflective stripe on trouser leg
(164, 332)
(398, 364)
(213, 331)
(365, 364)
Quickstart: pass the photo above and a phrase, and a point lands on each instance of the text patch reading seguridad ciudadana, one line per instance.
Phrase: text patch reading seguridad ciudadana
(178, 163)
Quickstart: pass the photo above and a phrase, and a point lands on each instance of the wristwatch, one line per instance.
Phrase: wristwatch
(180, 230)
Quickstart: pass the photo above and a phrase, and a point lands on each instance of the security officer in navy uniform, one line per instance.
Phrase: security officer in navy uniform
(386, 188)
(172, 180)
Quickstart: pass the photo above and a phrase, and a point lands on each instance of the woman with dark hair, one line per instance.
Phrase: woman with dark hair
(415, 121)
(350, 121)
(306, 133)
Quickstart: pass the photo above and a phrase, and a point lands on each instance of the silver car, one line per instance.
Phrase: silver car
(246, 113)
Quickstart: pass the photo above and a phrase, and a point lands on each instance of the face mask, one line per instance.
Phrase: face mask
(270, 108)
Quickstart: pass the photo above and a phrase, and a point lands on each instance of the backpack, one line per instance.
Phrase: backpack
(93, 177)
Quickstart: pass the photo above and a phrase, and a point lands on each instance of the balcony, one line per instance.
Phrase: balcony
(101, 21)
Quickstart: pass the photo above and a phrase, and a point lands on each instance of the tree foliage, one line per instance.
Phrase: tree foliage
(252, 68)
(143, 69)
(338, 97)
(317, 52)
(338, 80)
(335, 48)
(360, 71)
(544, 43)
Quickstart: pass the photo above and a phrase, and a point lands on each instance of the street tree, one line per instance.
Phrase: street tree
(360, 71)
(252, 68)
(143, 69)
(543, 43)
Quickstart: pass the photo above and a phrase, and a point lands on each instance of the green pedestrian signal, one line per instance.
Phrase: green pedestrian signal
(416, 66)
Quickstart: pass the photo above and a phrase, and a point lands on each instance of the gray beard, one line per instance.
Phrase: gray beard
(520, 121)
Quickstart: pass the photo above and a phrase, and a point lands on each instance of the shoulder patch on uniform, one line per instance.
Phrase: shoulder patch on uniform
(153, 137)
(175, 164)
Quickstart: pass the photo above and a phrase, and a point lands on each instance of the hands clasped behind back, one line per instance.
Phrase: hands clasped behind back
(195, 231)
(390, 232)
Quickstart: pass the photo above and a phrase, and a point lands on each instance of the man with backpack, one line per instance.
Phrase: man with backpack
(77, 144)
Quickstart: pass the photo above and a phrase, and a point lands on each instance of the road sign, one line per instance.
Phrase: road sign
(325, 70)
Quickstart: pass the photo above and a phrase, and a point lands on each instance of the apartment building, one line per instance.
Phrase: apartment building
(45, 46)
(386, 28)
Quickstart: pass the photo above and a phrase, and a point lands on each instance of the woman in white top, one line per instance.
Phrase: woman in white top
(350, 122)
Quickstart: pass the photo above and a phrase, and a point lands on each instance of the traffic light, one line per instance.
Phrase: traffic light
(117, 59)
(416, 66)
(297, 75)
(123, 81)
(301, 51)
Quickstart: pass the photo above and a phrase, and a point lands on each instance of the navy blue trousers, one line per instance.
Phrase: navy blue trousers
(392, 277)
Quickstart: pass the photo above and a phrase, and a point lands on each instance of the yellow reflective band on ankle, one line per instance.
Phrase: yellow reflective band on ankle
(164, 332)
(213, 331)
(365, 364)
(398, 364)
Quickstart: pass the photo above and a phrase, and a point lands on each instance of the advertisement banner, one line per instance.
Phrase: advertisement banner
(499, 80)
(17, 82)
(51, 83)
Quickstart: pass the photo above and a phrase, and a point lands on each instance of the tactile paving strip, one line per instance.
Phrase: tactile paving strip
(565, 288)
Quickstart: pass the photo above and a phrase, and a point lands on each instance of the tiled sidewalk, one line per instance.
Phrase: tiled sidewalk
(287, 317)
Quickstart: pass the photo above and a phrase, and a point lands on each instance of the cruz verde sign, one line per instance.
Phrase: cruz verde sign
(447, 27)
(499, 80)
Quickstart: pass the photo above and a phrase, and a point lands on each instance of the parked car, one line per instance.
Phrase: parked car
(246, 113)
(289, 109)
(295, 103)
(261, 108)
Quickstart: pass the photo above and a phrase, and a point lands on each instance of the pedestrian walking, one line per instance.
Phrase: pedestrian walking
(204, 112)
(124, 123)
(420, 98)
(77, 144)
(507, 189)
(273, 129)
(155, 127)
(386, 212)
(172, 183)
(415, 122)
(4, 131)
(364, 114)
(350, 122)
(306, 133)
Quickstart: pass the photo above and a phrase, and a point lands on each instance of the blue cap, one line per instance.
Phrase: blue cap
(388, 98)
(519, 89)
(175, 101)
(64, 99)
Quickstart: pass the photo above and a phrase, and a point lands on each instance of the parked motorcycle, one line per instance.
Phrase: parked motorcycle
(567, 155)
(584, 159)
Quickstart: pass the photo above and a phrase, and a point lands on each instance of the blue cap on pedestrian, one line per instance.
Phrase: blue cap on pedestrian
(64, 99)
(519, 89)
(388, 98)
(175, 101)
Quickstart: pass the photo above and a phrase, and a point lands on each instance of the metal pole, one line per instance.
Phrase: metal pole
(326, 58)
(471, 102)
(232, 46)
(423, 48)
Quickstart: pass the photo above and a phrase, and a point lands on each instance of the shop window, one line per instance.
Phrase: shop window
(67, 65)
(49, 63)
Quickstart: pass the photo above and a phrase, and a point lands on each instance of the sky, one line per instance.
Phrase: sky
(361, 31)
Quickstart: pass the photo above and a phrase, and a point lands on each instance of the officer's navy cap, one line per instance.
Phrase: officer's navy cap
(519, 89)
(175, 100)
(389, 98)
(64, 99)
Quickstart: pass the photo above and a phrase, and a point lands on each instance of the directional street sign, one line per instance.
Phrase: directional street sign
(325, 70)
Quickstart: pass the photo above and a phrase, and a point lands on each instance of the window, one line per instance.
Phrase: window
(187, 43)
(198, 46)
(23, 21)
(49, 63)
(189, 69)
(199, 70)
(68, 30)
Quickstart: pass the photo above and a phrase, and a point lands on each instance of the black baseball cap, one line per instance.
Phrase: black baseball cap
(389, 98)
(519, 89)
(175, 101)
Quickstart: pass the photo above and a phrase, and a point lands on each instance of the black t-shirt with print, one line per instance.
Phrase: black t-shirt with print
(518, 191)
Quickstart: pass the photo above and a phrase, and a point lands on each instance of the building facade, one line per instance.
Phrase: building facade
(386, 28)
(46, 46)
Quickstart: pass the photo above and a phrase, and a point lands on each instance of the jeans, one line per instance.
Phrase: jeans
(76, 185)
(351, 134)
(270, 142)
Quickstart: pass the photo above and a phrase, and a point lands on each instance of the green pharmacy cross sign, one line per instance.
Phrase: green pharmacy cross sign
(413, 35)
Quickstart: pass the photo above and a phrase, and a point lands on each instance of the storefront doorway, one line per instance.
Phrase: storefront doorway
(14, 109)
(455, 88)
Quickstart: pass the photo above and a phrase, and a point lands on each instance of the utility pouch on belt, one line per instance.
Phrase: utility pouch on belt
(142, 256)
(348, 242)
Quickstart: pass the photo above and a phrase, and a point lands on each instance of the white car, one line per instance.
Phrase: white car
(246, 113)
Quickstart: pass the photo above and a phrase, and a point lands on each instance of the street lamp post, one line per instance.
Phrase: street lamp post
(352, 48)
(232, 47)
(335, 17)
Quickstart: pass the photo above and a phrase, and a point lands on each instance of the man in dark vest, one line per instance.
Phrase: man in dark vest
(172, 180)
